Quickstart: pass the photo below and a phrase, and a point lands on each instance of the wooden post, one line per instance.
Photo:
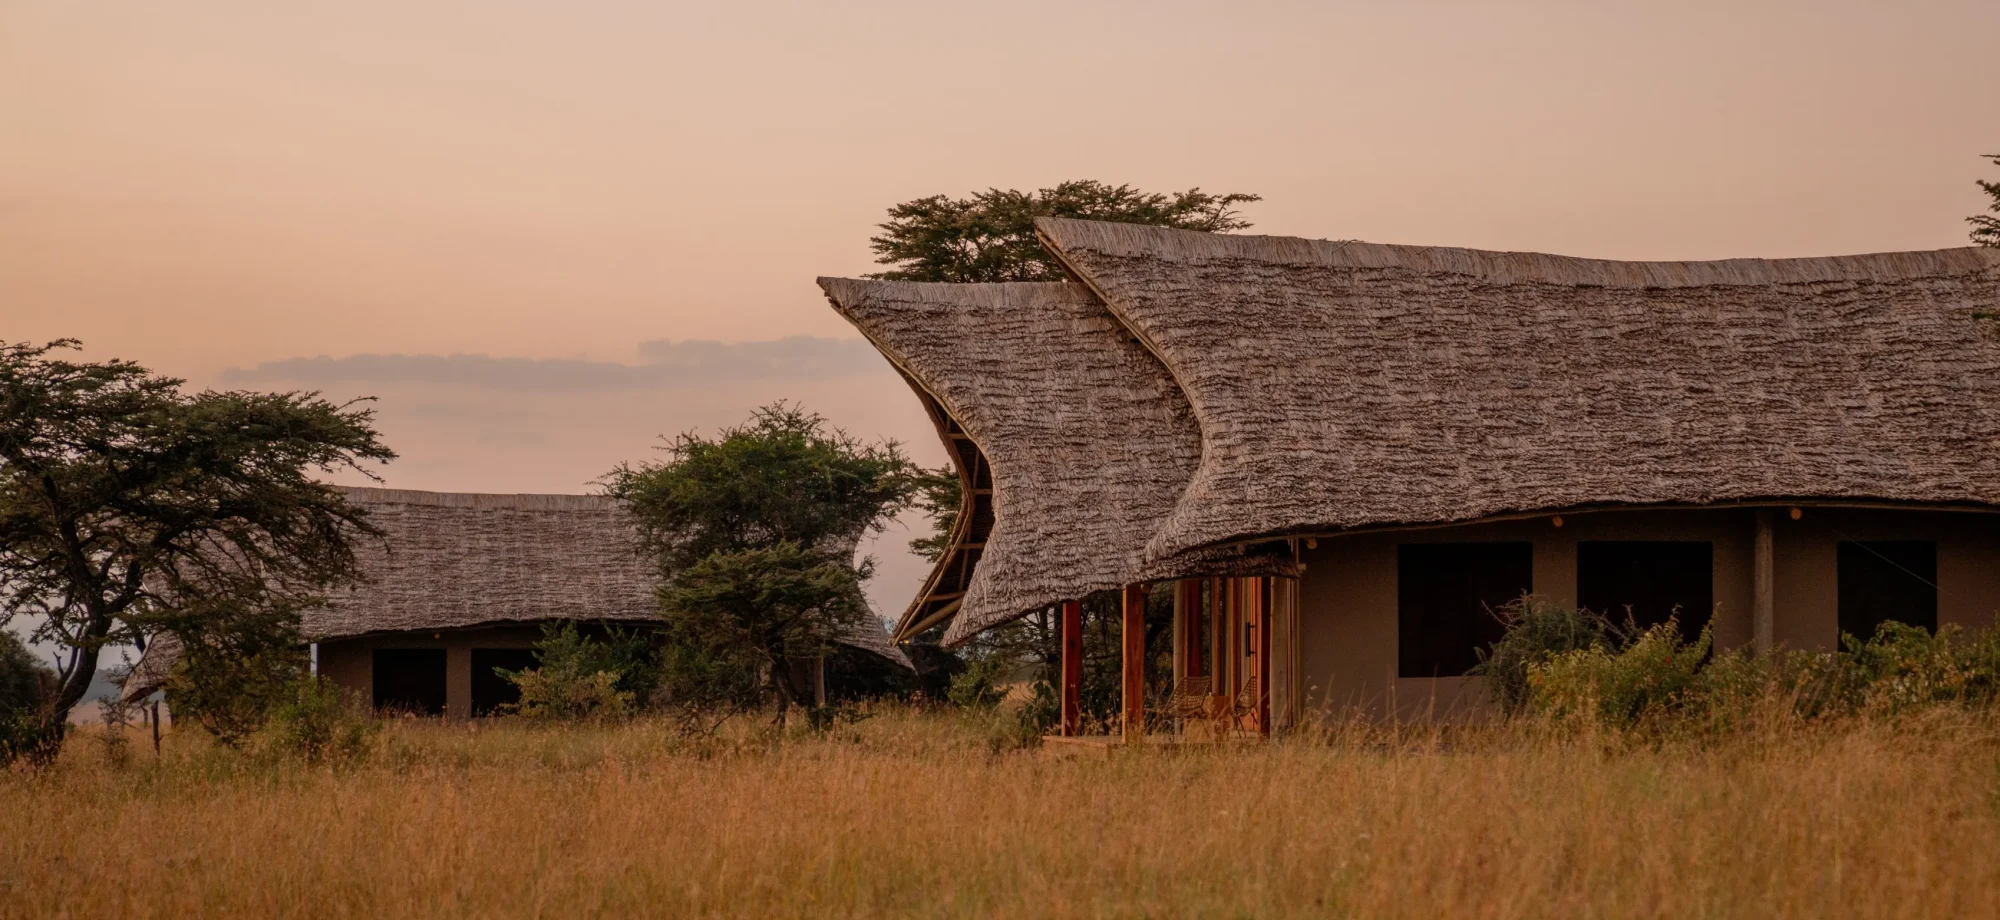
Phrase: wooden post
(1181, 631)
(1072, 668)
(819, 681)
(1132, 638)
(1261, 609)
(1764, 586)
(1222, 632)
(1285, 682)
(1187, 630)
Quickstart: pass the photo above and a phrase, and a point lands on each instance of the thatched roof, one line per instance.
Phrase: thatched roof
(1343, 385)
(150, 672)
(452, 560)
(1086, 440)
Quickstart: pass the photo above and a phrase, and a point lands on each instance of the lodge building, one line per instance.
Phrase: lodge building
(1343, 456)
(459, 587)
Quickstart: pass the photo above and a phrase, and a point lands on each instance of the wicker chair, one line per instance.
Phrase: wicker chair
(1189, 699)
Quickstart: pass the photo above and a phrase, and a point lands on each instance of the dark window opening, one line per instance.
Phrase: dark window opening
(1649, 580)
(1887, 580)
(490, 691)
(410, 680)
(1446, 596)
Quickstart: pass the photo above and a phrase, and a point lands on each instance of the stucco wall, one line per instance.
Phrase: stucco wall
(351, 662)
(1348, 604)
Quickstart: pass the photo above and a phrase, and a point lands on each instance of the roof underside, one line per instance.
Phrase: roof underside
(945, 589)
(1344, 385)
(1086, 440)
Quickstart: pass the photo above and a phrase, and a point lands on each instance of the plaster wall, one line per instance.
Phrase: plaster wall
(1348, 592)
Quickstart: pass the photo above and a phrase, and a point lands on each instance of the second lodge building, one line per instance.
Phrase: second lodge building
(1345, 455)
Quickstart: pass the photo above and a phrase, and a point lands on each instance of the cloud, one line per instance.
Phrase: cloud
(662, 364)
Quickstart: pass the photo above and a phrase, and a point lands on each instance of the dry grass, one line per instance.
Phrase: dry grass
(911, 814)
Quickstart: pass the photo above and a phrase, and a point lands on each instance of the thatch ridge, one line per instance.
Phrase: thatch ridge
(1088, 439)
(481, 500)
(1345, 385)
(1146, 241)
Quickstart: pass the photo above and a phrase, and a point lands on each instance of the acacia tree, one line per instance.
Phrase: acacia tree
(128, 507)
(754, 531)
(990, 236)
(1985, 229)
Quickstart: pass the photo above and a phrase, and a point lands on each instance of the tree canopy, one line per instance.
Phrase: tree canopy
(783, 477)
(990, 236)
(128, 506)
(1986, 229)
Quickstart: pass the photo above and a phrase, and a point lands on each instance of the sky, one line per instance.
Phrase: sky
(543, 235)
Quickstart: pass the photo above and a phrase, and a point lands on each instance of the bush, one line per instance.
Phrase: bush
(1651, 679)
(701, 686)
(579, 677)
(316, 721)
(27, 689)
(1576, 667)
(979, 686)
(1903, 666)
(236, 662)
(1738, 689)
(564, 695)
(1537, 631)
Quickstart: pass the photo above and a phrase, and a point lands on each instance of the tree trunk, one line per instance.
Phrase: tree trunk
(55, 719)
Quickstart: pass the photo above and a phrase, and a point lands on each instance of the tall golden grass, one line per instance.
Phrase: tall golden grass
(914, 814)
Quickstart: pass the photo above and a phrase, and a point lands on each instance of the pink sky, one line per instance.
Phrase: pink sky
(222, 189)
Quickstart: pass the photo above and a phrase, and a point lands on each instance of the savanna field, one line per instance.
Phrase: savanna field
(915, 812)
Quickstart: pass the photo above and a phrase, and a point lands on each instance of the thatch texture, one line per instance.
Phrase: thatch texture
(451, 560)
(150, 672)
(1088, 440)
(1342, 385)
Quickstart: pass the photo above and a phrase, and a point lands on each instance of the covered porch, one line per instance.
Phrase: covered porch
(1234, 675)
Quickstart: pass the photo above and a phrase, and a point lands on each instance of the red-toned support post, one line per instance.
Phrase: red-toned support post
(1263, 609)
(1187, 630)
(1132, 638)
(1072, 668)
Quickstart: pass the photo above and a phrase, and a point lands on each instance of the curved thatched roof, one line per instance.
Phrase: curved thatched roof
(1341, 385)
(450, 560)
(1088, 439)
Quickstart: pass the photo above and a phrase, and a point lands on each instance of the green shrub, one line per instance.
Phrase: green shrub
(1537, 630)
(316, 721)
(578, 676)
(702, 686)
(1574, 667)
(1738, 688)
(1903, 667)
(979, 686)
(1042, 711)
(27, 689)
(1649, 680)
(227, 680)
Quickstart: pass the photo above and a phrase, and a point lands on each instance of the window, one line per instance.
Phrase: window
(1650, 579)
(1887, 580)
(490, 691)
(410, 679)
(1446, 594)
